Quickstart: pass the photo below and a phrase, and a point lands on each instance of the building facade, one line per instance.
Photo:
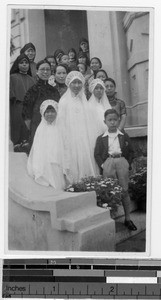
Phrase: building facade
(119, 38)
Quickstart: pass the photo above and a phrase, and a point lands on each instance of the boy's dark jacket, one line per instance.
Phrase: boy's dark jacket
(101, 148)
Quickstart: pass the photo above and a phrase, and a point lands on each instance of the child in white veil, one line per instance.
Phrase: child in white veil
(98, 104)
(45, 161)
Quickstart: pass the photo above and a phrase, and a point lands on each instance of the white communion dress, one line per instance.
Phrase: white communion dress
(45, 161)
(98, 108)
(73, 119)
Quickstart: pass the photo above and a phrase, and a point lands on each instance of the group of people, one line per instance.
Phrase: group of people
(71, 123)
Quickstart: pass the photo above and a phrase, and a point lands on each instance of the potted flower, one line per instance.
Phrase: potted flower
(108, 191)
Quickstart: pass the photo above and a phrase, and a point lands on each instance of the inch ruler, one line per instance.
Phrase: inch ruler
(80, 278)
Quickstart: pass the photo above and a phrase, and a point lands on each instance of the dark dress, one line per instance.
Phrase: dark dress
(118, 105)
(38, 93)
(19, 85)
(61, 87)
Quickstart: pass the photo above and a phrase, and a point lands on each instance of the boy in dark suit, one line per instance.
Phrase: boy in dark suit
(114, 154)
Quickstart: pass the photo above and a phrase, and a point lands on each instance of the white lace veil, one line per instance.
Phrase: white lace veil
(75, 127)
(47, 147)
(104, 100)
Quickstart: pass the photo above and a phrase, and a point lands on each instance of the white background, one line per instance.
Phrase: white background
(155, 96)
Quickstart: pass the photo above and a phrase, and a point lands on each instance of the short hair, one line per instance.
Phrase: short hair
(111, 111)
(43, 61)
(62, 65)
(111, 79)
(98, 61)
(72, 50)
(83, 54)
(101, 70)
(49, 56)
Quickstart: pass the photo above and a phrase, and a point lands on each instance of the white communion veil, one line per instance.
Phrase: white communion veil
(45, 161)
(74, 123)
(98, 107)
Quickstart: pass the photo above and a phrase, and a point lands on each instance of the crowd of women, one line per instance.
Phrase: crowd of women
(77, 91)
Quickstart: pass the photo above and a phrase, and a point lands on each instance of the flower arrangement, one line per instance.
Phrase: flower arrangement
(137, 187)
(108, 191)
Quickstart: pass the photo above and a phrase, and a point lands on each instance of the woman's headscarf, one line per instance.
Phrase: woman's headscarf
(46, 155)
(46, 103)
(74, 75)
(15, 68)
(97, 58)
(104, 100)
(97, 109)
(94, 83)
(26, 47)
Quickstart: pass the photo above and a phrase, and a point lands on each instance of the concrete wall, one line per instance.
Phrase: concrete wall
(107, 41)
(136, 26)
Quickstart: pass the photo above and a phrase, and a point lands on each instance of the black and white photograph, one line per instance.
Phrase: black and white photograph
(80, 99)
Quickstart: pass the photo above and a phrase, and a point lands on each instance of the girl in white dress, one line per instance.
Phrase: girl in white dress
(98, 104)
(45, 161)
(75, 127)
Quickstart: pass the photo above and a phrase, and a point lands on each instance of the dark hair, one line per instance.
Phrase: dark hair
(61, 55)
(112, 80)
(62, 65)
(110, 111)
(83, 54)
(98, 61)
(83, 40)
(100, 70)
(50, 56)
(49, 107)
(58, 52)
(43, 61)
(74, 51)
(83, 65)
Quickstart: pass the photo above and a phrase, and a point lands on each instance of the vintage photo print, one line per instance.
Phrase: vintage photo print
(79, 113)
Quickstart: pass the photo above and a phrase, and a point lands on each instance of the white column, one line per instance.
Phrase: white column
(99, 35)
(107, 40)
(36, 32)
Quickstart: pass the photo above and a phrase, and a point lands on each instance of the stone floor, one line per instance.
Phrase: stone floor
(133, 244)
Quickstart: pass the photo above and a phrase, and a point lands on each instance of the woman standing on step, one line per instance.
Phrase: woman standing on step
(75, 128)
(38, 93)
(20, 82)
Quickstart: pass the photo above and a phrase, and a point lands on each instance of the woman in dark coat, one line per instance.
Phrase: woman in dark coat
(20, 82)
(39, 92)
(60, 76)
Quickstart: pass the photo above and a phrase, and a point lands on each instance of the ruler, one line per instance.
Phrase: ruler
(80, 278)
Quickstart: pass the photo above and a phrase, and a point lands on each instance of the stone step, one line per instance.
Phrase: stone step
(123, 233)
(84, 217)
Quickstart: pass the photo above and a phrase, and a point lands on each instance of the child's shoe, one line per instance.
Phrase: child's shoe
(130, 225)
